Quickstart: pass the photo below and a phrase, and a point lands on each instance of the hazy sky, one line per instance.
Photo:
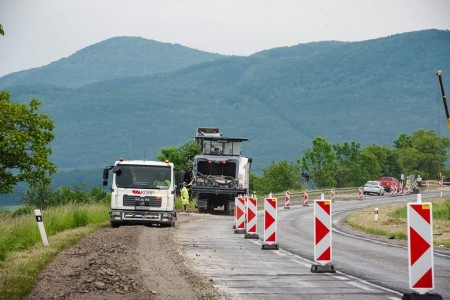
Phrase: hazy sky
(38, 32)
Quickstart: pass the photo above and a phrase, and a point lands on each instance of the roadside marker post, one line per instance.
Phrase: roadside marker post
(393, 191)
(37, 213)
(270, 224)
(239, 204)
(322, 237)
(420, 250)
(305, 198)
(375, 216)
(408, 189)
(333, 194)
(287, 200)
(360, 193)
(252, 210)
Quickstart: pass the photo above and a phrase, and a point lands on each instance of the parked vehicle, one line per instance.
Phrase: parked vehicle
(373, 187)
(142, 192)
(388, 181)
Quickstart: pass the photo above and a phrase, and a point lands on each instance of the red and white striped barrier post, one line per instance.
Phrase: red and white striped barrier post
(427, 184)
(420, 248)
(360, 193)
(270, 224)
(287, 200)
(400, 190)
(393, 190)
(305, 198)
(333, 194)
(408, 189)
(322, 237)
(252, 210)
(239, 204)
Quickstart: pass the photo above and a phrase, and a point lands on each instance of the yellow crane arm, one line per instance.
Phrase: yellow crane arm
(444, 97)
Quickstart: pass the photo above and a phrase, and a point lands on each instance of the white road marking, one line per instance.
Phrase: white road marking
(360, 286)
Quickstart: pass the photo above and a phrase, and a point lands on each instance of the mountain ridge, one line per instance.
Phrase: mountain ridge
(367, 91)
(110, 59)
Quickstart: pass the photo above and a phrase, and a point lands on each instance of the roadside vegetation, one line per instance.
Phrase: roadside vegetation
(327, 165)
(392, 222)
(68, 215)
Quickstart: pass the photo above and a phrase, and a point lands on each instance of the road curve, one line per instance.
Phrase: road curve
(373, 260)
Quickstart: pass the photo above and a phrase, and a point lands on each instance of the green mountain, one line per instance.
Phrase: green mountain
(113, 58)
(369, 92)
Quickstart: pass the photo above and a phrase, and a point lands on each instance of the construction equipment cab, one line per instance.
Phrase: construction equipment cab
(142, 192)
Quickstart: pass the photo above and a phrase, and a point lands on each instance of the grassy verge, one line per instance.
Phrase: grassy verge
(21, 250)
(392, 222)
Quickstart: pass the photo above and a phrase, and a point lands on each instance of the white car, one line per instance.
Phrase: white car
(373, 187)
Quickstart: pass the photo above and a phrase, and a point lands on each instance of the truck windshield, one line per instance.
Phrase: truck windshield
(150, 177)
(221, 147)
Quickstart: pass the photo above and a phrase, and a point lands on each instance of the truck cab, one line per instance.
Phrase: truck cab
(142, 192)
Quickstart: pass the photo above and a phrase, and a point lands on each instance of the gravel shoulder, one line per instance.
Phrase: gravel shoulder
(130, 262)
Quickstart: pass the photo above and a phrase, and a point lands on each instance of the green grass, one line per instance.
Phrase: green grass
(440, 211)
(22, 255)
(21, 232)
(375, 231)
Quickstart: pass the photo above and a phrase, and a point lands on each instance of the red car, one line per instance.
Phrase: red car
(388, 181)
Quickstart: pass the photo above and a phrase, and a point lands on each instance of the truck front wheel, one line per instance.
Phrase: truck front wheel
(115, 225)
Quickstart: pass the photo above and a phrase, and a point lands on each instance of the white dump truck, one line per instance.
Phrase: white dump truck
(142, 192)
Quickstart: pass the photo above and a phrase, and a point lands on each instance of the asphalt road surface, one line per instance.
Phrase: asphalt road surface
(373, 269)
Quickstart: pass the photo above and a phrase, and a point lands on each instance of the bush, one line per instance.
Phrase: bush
(44, 197)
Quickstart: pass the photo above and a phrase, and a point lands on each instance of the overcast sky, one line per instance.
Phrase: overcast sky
(38, 32)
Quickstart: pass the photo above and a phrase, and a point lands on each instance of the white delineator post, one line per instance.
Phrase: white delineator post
(252, 225)
(270, 224)
(37, 213)
(322, 237)
(287, 200)
(375, 216)
(239, 204)
(420, 246)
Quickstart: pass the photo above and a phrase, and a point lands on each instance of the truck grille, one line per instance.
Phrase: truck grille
(206, 168)
(150, 201)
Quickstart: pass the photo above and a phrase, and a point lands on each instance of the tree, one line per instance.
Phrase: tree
(425, 155)
(320, 162)
(2, 32)
(180, 156)
(24, 138)
(403, 141)
(347, 165)
(280, 177)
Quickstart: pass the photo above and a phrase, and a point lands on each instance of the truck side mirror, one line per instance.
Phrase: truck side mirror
(105, 176)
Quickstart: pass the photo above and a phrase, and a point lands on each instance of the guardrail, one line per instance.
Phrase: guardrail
(341, 193)
(347, 191)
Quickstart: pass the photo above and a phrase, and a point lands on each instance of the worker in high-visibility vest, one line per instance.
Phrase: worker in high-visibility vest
(184, 197)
